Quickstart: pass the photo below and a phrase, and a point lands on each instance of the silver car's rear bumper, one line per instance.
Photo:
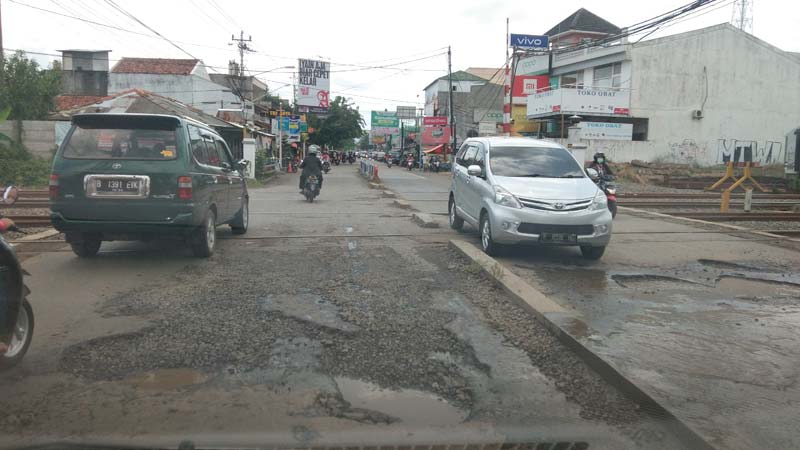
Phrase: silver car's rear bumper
(517, 226)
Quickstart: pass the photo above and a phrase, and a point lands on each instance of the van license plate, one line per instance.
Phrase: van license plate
(117, 186)
(561, 238)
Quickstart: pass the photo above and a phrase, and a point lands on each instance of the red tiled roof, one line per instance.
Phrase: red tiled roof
(73, 101)
(155, 66)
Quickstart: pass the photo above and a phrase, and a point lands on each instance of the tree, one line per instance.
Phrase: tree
(26, 89)
(363, 142)
(341, 125)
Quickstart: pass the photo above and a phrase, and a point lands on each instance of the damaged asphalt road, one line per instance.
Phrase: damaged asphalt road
(320, 333)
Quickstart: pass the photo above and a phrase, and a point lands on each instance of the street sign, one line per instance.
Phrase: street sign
(529, 41)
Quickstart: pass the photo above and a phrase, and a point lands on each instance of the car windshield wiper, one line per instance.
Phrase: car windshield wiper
(570, 176)
(532, 175)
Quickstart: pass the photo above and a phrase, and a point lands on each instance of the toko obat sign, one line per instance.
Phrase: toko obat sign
(606, 131)
(529, 41)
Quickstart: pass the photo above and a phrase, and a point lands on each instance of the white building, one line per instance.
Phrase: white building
(185, 80)
(701, 97)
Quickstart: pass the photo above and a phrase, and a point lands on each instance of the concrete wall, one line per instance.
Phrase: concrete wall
(38, 136)
(74, 82)
(753, 98)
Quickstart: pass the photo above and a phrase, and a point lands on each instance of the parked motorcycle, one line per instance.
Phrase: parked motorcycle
(311, 189)
(16, 314)
(326, 166)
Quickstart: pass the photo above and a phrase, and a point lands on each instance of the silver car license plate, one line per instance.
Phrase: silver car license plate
(559, 238)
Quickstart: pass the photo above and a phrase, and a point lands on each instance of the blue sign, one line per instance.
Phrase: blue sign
(529, 41)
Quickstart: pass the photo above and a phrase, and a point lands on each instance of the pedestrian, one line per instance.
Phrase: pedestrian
(421, 162)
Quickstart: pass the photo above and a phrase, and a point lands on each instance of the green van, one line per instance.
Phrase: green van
(143, 177)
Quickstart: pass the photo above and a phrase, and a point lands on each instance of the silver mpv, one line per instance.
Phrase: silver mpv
(522, 190)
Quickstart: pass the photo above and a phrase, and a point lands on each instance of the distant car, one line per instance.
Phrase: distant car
(145, 176)
(521, 190)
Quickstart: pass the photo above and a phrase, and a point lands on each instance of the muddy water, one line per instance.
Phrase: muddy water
(167, 379)
(412, 407)
(750, 287)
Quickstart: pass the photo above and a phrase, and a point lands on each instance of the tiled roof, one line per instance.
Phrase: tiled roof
(72, 101)
(584, 20)
(155, 66)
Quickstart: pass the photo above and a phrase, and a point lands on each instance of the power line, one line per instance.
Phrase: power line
(120, 9)
(225, 15)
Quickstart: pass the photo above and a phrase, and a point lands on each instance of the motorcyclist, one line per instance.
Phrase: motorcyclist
(600, 164)
(5, 225)
(311, 165)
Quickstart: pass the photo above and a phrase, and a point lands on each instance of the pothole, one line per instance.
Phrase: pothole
(410, 406)
(649, 281)
(167, 379)
(756, 287)
(717, 264)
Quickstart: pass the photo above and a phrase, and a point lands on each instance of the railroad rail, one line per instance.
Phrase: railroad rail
(704, 195)
(706, 204)
(733, 217)
(29, 220)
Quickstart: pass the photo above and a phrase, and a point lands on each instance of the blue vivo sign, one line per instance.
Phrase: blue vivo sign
(529, 41)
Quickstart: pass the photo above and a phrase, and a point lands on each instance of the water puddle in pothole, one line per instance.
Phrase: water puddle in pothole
(167, 379)
(411, 406)
(648, 281)
(751, 287)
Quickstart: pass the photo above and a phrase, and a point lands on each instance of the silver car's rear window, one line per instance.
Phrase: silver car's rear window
(533, 162)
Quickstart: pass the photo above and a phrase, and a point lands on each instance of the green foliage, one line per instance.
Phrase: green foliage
(26, 89)
(19, 167)
(342, 124)
(363, 142)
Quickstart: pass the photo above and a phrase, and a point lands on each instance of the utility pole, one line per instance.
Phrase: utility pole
(450, 100)
(280, 132)
(1, 36)
(241, 44)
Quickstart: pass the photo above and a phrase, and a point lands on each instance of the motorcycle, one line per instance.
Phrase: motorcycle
(436, 165)
(326, 166)
(389, 162)
(16, 330)
(410, 164)
(311, 188)
(606, 184)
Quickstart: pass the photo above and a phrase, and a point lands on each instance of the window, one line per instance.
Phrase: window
(469, 156)
(198, 145)
(222, 150)
(608, 76)
(480, 157)
(460, 154)
(572, 80)
(121, 143)
(540, 162)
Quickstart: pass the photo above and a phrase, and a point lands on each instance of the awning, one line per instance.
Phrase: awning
(438, 150)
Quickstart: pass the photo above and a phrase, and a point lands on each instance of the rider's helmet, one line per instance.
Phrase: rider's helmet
(599, 157)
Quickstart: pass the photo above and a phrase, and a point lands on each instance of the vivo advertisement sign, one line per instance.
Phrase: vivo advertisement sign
(529, 41)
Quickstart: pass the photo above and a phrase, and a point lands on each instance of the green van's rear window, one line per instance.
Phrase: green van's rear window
(116, 143)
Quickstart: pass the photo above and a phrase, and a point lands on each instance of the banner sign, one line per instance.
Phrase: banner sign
(434, 120)
(487, 115)
(580, 101)
(314, 83)
(529, 41)
(384, 119)
(526, 85)
(533, 65)
(606, 131)
(487, 128)
(406, 112)
(435, 131)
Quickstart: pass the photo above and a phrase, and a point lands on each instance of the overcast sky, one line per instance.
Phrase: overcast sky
(345, 32)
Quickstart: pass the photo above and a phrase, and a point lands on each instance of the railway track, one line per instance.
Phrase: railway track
(733, 217)
(706, 204)
(703, 195)
(29, 220)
